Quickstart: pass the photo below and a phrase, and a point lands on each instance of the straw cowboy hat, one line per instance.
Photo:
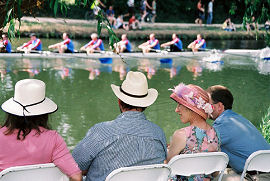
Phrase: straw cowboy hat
(29, 99)
(134, 90)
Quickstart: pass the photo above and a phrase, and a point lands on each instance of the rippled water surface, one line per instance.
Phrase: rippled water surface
(81, 87)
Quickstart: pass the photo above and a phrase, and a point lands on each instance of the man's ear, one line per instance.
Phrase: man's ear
(119, 101)
(221, 108)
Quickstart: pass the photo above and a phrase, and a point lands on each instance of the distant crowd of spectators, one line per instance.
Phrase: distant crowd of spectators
(147, 14)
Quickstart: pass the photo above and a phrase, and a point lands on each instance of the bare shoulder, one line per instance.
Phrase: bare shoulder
(179, 134)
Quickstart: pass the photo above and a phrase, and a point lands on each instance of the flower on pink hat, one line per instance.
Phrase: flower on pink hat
(192, 97)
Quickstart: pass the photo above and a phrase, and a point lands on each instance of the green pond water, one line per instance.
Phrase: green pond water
(81, 87)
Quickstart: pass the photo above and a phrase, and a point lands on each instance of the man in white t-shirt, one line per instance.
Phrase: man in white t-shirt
(210, 12)
(131, 7)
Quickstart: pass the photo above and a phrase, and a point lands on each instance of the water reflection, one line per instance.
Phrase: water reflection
(3, 70)
(120, 67)
(31, 68)
(264, 67)
(148, 66)
(81, 87)
(195, 67)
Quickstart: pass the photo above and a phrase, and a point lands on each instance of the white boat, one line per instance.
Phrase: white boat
(109, 54)
(46, 54)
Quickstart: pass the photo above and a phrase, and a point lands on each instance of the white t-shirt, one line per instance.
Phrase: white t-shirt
(210, 7)
(130, 3)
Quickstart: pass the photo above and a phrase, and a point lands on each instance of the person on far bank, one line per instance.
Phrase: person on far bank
(151, 45)
(144, 6)
(175, 45)
(154, 11)
(239, 137)
(133, 23)
(199, 44)
(210, 12)
(128, 140)
(201, 13)
(26, 137)
(111, 16)
(65, 46)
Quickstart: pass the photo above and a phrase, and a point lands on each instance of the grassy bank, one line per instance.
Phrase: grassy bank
(80, 29)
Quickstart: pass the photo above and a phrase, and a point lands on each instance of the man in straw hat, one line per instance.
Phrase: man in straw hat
(239, 137)
(129, 140)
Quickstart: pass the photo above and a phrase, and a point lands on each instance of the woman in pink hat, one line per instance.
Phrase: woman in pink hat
(194, 108)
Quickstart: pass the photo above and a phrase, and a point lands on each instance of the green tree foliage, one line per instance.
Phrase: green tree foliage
(167, 11)
(265, 126)
(13, 10)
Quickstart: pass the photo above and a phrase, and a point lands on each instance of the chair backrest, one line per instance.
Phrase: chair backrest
(257, 161)
(157, 172)
(39, 172)
(199, 163)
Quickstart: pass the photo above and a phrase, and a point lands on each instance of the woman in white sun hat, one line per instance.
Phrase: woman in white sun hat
(26, 138)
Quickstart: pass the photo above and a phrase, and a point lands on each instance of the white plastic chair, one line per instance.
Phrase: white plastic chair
(257, 161)
(39, 172)
(199, 163)
(156, 172)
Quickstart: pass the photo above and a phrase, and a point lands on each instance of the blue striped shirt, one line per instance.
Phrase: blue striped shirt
(129, 140)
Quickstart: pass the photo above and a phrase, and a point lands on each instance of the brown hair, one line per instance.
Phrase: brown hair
(25, 125)
(221, 94)
(130, 107)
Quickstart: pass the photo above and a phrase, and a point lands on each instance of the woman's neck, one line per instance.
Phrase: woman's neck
(199, 122)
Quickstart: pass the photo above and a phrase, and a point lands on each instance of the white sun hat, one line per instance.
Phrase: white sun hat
(134, 90)
(29, 99)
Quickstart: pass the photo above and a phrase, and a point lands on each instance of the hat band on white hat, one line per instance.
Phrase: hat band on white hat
(131, 95)
(24, 107)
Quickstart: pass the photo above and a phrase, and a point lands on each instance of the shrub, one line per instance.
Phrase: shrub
(265, 126)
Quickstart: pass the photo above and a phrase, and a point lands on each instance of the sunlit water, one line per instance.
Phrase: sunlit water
(81, 87)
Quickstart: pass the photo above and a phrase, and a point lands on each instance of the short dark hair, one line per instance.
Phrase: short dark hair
(24, 125)
(129, 107)
(221, 94)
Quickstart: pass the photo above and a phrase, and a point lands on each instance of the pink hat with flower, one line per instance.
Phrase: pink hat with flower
(194, 98)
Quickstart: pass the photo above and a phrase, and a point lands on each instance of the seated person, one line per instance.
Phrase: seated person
(198, 44)
(120, 23)
(252, 25)
(133, 23)
(33, 44)
(129, 140)
(110, 15)
(175, 45)
(194, 108)
(95, 45)
(267, 25)
(243, 138)
(5, 45)
(65, 46)
(228, 25)
(150, 45)
(124, 45)
(26, 137)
